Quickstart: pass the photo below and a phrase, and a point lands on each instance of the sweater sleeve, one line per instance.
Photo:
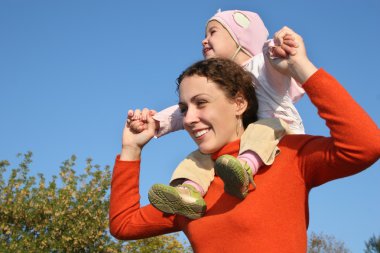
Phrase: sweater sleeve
(170, 120)
(129, 221)
(354, 144)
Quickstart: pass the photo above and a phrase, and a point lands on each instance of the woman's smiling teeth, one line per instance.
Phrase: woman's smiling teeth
(200, 133)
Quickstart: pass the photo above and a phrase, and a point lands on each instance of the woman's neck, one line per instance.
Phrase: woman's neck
(231, 148)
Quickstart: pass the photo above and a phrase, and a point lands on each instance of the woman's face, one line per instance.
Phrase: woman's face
(210, 117)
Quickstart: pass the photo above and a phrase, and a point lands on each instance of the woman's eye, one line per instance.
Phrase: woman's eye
(182, 109)
(201, 103)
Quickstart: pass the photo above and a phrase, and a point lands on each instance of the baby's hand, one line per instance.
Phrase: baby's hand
(292, 59)
(138, 119)
(134, 138)
(285, 44)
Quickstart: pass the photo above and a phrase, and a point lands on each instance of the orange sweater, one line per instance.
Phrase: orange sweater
(274, 217)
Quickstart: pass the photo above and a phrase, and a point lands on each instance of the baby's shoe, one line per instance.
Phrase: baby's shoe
(182, 199)
(235, 175)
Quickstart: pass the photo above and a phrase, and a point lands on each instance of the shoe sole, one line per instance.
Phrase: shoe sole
(234, 178)
(168, 200)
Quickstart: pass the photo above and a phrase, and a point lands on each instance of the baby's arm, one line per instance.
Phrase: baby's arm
(259, 142)
(282, 46)
(288, 46)
(168, 120)
(277, 92)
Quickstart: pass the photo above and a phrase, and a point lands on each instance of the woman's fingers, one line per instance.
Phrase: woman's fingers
(138, 119)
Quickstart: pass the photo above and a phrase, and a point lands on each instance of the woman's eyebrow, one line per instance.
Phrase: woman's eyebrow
(181, 104)
(198, 95)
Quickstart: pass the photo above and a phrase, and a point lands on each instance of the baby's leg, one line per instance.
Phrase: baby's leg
(189, 183)
(196, 167)
(262, 138)
(258, 146)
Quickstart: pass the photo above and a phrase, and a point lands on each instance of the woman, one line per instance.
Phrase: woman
(274, 217)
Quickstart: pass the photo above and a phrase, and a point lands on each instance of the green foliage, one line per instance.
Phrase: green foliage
(161, 244)
(67, 214)
(321, 243)
(373, 245)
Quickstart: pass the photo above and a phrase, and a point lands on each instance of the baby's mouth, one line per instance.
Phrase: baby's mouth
(205, 50)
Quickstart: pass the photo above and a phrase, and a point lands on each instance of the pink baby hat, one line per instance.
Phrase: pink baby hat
(246, 28)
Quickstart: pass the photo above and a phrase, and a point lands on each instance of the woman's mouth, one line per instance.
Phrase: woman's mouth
(200, 133)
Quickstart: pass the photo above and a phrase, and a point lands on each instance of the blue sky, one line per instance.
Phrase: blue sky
(70, 70)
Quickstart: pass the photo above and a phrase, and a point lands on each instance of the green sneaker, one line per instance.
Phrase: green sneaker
(236, 177)
(182, 199)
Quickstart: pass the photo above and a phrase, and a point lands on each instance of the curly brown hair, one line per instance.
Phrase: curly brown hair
(231, 78)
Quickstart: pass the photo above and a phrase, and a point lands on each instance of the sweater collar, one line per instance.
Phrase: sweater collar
(231, 148)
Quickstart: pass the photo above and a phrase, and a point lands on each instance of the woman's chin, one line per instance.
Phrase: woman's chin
(207, 150)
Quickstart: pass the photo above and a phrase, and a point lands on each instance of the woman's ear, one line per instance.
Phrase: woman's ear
(241, 104)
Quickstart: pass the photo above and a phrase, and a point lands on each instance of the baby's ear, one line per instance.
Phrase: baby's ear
(241, 104)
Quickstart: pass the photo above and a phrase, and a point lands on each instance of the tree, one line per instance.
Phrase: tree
(160, 244)
(67, 214)
(321, 243)
(373, 245)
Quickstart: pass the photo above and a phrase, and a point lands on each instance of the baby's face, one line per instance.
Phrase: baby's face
(218, 42)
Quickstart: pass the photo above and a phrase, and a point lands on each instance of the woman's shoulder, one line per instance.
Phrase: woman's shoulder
(296, 141)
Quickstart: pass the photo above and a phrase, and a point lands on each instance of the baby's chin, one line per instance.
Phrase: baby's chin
(209, 56)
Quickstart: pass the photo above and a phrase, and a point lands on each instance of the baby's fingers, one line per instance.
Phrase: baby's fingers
(130, 113)
(277, 52)
(136, 114)
(152, 112)
(136, 126)
(144, 114)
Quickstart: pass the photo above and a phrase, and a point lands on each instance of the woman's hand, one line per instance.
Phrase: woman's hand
(139, 129)
(289, 56)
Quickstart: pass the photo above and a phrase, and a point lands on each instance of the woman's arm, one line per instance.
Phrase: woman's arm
(355, 138)
(135, 137)
(354, 144)
(127, 219)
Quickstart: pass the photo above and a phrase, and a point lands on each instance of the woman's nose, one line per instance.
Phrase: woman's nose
(190, 117)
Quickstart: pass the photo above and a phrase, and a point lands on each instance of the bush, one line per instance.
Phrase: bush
(67, 214)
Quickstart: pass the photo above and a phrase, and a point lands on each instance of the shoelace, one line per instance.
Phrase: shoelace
(250, 176)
